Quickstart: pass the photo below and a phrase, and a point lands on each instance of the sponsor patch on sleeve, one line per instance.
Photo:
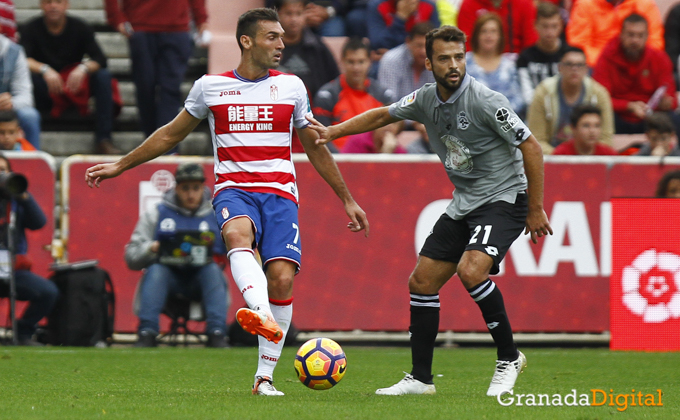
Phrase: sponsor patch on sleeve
(507, 119)
(409, 99)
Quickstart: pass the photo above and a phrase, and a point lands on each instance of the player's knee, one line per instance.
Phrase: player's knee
(235, 238)
(280, 287)
(470, 274)
(419, 284)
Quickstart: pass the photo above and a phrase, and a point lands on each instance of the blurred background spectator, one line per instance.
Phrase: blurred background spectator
(353, 92)
(638, 77)
(669, 185)
(390, 21)
(448, 11)
(660, 135)
(549, 113)
(160, 47)
(185, 209)
(324, 17)
(487, 62)
(305, 55)
(41, 293)
(540, 61)
(672, 37)
(517, 17)
(402, 69)
(586, 123)
(67, 66)
(593, 23)
(16, 89)
(11, 133)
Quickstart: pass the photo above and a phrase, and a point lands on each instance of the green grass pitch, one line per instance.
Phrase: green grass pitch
(196, 383)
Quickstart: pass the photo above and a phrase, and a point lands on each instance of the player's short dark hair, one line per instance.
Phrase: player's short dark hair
(481, 21)
(659, 121)
(248, 22)
(447, 34)
(662, 186)
(635, 18)
(546, 10)
(420, 29)
(572, 49)
(584, 109)
(8, 115)
(355, 44)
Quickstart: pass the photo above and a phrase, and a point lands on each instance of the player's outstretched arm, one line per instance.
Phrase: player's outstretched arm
(323, 162)
(162, 140)
(367, 121)
(537, 223)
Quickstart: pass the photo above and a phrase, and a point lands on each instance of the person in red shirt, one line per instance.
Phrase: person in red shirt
(586, 122)
(639, 78)
(517, 15)
(160, 48)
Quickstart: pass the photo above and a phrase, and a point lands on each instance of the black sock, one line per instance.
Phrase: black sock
(423, 331)
(490, 301)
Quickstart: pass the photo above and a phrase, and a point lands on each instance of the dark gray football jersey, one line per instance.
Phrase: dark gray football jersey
(475, 134)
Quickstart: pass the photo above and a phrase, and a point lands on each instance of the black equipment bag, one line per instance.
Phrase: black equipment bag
(84, 313)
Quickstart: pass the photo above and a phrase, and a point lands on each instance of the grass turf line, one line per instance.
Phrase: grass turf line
(197, 383)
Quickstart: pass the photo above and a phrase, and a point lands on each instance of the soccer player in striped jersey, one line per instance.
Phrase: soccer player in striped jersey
(252, 111)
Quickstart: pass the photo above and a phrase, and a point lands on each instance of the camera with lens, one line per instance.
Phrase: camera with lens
(12, 184)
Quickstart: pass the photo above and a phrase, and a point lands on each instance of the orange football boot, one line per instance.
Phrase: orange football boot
(257, 322)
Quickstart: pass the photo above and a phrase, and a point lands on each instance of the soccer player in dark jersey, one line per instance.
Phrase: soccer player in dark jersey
(496, 166)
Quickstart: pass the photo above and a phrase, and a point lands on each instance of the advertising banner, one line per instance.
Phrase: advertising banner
(645, 282)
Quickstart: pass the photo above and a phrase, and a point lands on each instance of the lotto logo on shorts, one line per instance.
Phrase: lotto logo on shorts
(225, 213)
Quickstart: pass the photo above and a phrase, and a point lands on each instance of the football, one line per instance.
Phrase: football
(320, 363)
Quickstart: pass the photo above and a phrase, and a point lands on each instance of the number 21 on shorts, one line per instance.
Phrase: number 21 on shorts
(485, 239)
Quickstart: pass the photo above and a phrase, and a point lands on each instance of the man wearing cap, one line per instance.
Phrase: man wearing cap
(184, 210)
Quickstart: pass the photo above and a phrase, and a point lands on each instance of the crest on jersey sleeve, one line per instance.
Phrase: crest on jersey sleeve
(458, 157)
(409, 99)
(274, 92)
(507, 119)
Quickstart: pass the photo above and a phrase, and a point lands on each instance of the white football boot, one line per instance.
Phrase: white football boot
(408, 385)
(264, 386)
(505, 376)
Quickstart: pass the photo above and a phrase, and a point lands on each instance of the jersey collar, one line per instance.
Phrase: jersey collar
(243, 79)
(466, 82)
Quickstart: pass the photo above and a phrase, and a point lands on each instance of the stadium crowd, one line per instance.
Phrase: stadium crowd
(577, 72)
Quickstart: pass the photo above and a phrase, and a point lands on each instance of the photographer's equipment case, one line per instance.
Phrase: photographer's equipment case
(84, 313)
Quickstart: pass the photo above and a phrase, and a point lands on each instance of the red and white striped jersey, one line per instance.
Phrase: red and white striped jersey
(251, 123)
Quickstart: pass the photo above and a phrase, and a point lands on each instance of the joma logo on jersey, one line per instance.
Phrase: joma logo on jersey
(230, 92)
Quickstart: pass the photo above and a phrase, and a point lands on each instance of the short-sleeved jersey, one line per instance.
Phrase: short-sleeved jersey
(251, 123)
(475, 133)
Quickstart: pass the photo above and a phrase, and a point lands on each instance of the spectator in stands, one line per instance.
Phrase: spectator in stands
(16, 88)
(186, 208)
(586, 127)
(487, 63)
(672, 37)
(593, 23)
(540, 61)
(8, 21)
(355, 20)
(639, 78)
(160, 48)
(448, 11)
(517, 18)
(402, 69)
(41, 294)
(390, 21)
(305, 55)
(353, 92)
(66, 61)
(669, 185)
(11, 134)
(324, 17)
(661, 139)
(556, 97)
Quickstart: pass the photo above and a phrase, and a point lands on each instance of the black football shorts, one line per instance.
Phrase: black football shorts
(490, 228)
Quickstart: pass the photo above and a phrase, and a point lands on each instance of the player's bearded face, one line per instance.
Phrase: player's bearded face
(448, 64)
(268, 45)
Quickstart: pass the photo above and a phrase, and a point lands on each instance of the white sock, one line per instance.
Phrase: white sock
(249, 278)
(268, 351)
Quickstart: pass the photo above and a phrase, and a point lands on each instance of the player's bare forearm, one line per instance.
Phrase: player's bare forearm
(325, 165)
(537, 221)
(162, 140)
(367, 121)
